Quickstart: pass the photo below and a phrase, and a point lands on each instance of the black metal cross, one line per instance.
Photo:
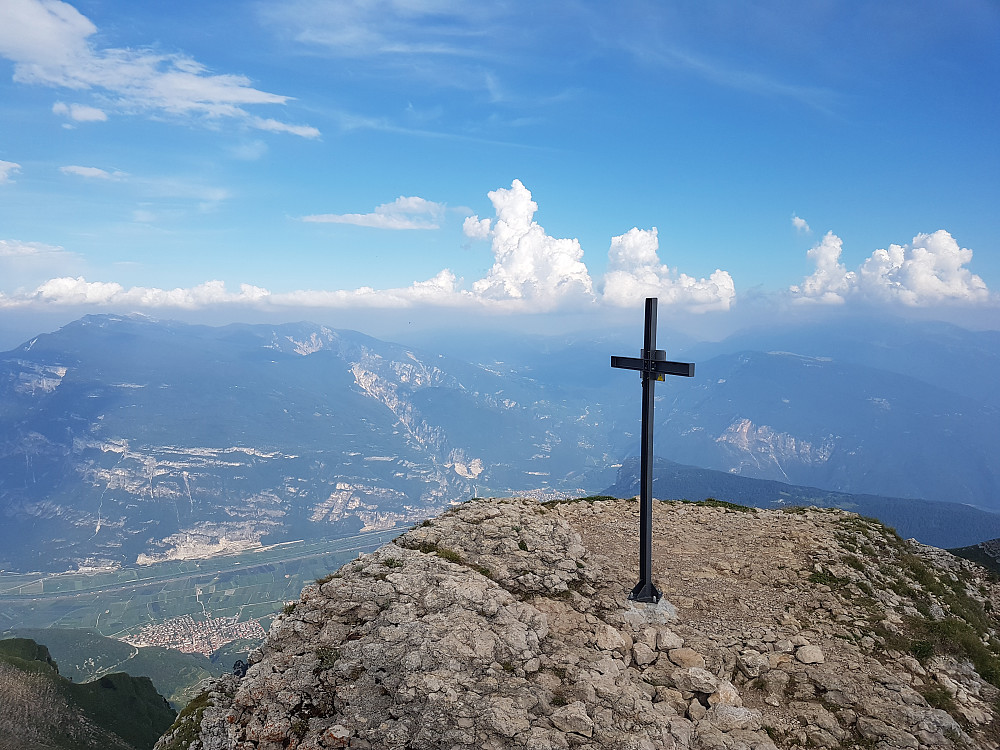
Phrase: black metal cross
(653, 366)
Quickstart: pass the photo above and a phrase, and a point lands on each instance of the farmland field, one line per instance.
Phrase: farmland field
(252, 585)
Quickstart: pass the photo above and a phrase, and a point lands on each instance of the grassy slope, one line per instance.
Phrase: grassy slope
(117, 711)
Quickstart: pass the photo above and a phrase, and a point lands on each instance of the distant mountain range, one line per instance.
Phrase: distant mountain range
(125, 439)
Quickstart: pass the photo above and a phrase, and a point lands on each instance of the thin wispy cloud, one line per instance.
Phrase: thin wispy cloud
(800, 224)
(18, 249)
(387, 28)
(24, 262)
(403, 213)
(52, 44)
(79, 112)
(754, 82)
(7, 170)
(93, 173)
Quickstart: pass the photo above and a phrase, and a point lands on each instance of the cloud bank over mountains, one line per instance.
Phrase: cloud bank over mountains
(533, 272)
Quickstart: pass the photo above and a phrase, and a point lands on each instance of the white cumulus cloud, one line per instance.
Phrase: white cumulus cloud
(50, 44)
(800, 224)
(529, 264)
(930, 270)
(831, 281)
(7, 168)
(403, 213)
(635, 272)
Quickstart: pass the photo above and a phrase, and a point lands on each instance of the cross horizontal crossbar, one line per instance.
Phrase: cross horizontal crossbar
(685, 369)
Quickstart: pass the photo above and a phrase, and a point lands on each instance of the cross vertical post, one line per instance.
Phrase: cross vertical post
(645, 591)
(653, 366)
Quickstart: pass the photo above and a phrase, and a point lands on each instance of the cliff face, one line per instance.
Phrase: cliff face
(40, 710)
(506, 624)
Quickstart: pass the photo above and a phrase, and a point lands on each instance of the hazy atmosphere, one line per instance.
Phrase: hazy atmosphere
(321, 421)
(380, 165)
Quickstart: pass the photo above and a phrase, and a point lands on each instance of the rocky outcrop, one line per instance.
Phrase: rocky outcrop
(505, 624)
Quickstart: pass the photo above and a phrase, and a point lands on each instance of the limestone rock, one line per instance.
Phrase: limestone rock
(696, 680)
(727, 718)
(686, 658)
(506, 624)
(573, 718)
(809, 654)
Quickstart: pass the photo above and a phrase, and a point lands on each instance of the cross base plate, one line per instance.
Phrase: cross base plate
(645, 592)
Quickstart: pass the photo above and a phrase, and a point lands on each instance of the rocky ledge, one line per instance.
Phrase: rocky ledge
(506, 624)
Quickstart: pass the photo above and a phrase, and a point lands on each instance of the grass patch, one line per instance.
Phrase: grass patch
(188, 723)
(327, 656)
(956, 637)
(937, 697)
(449, 554)
(853, 562)
(827, 578)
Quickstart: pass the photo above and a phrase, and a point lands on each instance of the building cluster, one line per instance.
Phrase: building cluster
(201, 636)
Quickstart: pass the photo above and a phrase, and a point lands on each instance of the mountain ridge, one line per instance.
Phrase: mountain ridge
(123, 437)
(936, 523)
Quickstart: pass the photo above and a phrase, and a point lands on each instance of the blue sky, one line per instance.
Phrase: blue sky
(320, 160)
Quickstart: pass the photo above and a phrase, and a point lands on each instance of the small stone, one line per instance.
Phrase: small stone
(686, 657)
(696, 711)
(336, 735)
(609, 639)
(643, 654)
(775, 682)
(775, 659)
(753, 663)
(725, 695)
(696, 680)
(729, 718)
(667, 639)
(809, 654)
(573, 718)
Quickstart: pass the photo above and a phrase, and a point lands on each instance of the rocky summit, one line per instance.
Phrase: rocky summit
(506, 624)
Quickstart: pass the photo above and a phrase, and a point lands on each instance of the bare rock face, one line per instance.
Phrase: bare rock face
(505, 624)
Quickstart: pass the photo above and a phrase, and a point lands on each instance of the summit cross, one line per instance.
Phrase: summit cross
(653, 366)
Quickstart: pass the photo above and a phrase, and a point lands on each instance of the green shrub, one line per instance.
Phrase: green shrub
(448, 554)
